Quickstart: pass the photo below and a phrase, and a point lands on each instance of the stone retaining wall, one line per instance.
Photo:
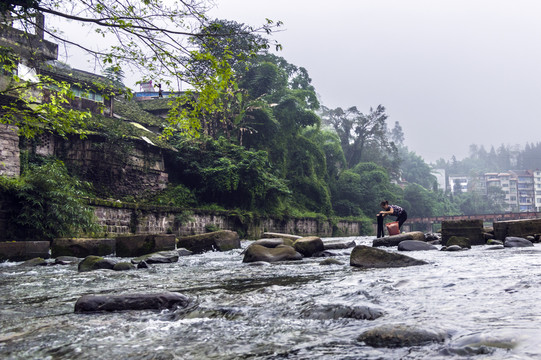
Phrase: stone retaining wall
(123, 220)
(10, 164)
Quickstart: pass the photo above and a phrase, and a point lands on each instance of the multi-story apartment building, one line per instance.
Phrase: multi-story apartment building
(525, 189)
(458, 184)
(522, 188)
(537, 189)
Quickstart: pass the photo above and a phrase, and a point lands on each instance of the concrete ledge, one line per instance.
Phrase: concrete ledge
(516, 228)
(138, 245)
(82, 247)
(471, 229)
(24, 250)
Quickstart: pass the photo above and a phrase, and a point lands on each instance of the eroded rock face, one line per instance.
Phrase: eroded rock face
(370, 257)
(159, 301)
(256, 253)
(394, 336)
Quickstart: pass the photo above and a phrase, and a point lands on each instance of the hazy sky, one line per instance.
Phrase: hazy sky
(452, 72)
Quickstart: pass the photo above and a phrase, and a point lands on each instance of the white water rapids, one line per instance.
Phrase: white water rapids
(255, 312)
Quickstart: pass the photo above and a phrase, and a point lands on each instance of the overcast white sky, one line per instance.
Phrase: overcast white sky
(452, 72)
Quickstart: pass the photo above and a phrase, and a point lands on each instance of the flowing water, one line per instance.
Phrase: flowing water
(259, 312)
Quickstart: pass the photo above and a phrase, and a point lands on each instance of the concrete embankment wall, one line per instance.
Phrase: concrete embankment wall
(126, 219)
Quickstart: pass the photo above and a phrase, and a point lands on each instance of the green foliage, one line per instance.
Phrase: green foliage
(421, 201)
(48, 203)
(175, 195)
(227, 174)
(362, 189)
(415, 170)
(364, 137)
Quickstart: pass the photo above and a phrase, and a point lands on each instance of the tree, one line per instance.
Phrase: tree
(421, 201)
(397, 134)
(148, 36)
(361, 134)
(415, 170)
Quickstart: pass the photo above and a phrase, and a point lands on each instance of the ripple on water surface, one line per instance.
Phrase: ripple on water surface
(486, 302)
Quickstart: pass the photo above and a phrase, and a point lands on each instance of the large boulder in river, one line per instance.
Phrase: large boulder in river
(256, 253)
(415, 245)
(399, 335)
(370, 257)
(92, 262)
(394, 240)
(513, 241)
(308, 246)
(223, 240)
(159, 301)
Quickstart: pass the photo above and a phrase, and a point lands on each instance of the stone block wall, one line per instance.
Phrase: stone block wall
(471, 229)
(138, 167)
(119, 220)
(10, 163)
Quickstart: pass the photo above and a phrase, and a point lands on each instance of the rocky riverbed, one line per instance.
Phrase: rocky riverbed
(470, 304)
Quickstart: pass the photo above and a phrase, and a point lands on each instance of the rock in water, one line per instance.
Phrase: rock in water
(370, 257)
(513, 241)
(256, 253)
(308, 246)
(393, 336)
(415, 245)
(159, 301)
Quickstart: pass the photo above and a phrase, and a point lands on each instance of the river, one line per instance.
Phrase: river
(258, 312)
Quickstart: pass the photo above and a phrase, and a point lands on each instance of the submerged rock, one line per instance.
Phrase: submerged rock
(66, 260)
(337, 311)
(369, 257)
(453, 248)
(415, 245)
(35, 262)
(331, 261)
(513, 241)
(159, 301)
(394, 336)
(255, 253)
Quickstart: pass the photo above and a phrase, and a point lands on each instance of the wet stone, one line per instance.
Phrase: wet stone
(394, 336)
(370, 257)
(512, 241)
